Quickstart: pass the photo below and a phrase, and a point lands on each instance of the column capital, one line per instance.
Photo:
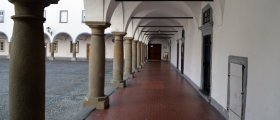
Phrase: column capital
(128, 38)
(44, 3)
(98, 24)
(119, 33)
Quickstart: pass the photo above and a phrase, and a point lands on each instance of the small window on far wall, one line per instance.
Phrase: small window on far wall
(63, 16)
(2, 45)
(1, 16)
(83, 16)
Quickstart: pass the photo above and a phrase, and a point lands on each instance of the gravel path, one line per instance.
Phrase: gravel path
(66, 87)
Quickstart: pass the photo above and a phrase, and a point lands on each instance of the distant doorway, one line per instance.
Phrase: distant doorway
(154, 52)
(183, 51)
(88, 51)
(206, 64)
(237, 87)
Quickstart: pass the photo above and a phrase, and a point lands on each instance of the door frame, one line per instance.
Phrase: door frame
(182, 56)
(244, 62)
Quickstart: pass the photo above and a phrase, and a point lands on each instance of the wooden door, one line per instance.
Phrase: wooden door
(154, 52)
(88, 51)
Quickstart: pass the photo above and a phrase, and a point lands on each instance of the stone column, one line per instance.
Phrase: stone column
(52, 51)
(96, 98)
(138, 55)
(118, 60)
(27, 62)
(74, 58)
(128, 57)
(134, 56)
(9, 50)
(142, 54)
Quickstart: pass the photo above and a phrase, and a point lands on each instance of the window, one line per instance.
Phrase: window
(2, 45)
(83, 16)
(63, 16)
(72, 45)
(207, 17)
(1, 16)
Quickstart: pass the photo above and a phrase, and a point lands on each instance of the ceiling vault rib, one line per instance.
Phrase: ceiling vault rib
(161, 17)
(158, 26)
(157, 31)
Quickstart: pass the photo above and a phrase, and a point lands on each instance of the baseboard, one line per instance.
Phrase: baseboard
(219, 107)
(208, 99)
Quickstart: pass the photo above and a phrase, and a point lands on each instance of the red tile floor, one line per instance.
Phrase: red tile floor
(157, 93)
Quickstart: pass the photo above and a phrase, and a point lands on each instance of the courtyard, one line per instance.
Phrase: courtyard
(66, 87)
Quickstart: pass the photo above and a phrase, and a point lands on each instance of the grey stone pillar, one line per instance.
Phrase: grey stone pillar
(128, 57)
(96, 74)
(138, 55)
(74, 58)
(52, 51)
(27, 62)
(118, 60)
(142, 53)
(134, 56)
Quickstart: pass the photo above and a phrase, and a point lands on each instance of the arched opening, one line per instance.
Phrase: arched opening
(4, 45)
(47, 45)
(62, 43)
(83, 46)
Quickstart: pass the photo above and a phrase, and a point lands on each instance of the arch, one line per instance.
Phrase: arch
(63, 43)
(82, 45)
(5, 46)
(62, 36)
(83, 36)
(3, 36)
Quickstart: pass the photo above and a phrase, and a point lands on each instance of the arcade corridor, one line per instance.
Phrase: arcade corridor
(157, 92)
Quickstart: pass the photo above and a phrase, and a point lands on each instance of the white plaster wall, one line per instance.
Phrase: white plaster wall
(74, 26)
(250, 29)
(47, 47)
(7, 26)
(63, 49)
(83, 48)
(109, 49)
(193, 53)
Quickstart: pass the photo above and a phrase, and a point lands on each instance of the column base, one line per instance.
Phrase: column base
(73, 59)
(119, 84)
(128, 76)
(96, 102)
(51, 58)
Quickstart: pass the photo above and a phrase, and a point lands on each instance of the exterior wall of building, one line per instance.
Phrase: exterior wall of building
(74, 27)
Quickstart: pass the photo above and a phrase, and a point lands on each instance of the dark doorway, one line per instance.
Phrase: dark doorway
(206, 64)
(154, 52)
(182, 51)
(182, 56)
(178, 55)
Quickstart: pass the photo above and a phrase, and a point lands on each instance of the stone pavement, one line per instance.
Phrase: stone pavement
(66, 87)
